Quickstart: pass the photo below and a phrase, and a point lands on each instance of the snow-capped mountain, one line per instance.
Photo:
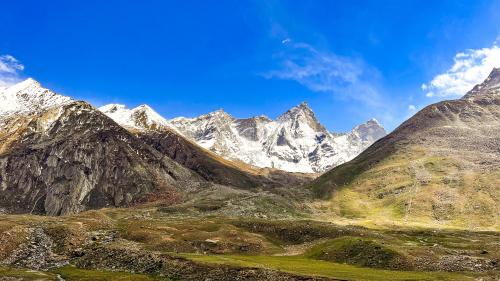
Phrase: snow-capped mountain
(294, 142)
(28, 97)
(61, 156)
(141, 117)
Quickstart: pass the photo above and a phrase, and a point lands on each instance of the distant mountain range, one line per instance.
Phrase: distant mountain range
(294, 142)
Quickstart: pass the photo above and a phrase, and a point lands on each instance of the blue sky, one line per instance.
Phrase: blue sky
(350, 60)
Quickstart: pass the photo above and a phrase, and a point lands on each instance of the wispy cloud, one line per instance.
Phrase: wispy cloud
(9, 70)
(323, 71)
(286, 40)
(470, 67)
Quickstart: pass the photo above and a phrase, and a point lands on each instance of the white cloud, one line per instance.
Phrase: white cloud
(9, 70)
(286, 40)
(412, 107)
(470, 67)
(322, 71)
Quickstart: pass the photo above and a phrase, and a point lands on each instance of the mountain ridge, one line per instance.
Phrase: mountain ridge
(441, 166)
(295, 141)
(60, 156)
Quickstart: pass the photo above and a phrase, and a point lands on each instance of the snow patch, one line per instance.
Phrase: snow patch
(142, 117)
(28, 97)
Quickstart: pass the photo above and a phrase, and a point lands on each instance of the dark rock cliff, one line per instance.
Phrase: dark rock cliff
(72, 158)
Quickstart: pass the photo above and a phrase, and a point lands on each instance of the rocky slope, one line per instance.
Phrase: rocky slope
(440, 166)
(60, 156)
(294, 142)
(155, 131)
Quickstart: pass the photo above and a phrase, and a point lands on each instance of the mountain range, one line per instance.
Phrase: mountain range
(61, 156)
(296, 141)
(420, 203)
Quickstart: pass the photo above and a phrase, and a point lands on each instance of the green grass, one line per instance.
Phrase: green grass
(310, 267)
(358, 251)
(25, 274)
(411, 187)
(72, 273)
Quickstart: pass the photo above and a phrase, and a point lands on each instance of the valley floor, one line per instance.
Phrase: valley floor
(182, 243)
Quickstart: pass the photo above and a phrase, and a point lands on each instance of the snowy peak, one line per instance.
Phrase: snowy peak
(299, 116)
(219, 114)
(142, 117)
(30, 82)
(490, 86)
(29, 97)
(370, 131)
(301, 110)
(112, 108)
(296, 141)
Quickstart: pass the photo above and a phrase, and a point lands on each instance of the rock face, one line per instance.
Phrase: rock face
(490, 86)
(59, 156)
(294, 142)
(155, 131)
(213, 168)
(442, 166)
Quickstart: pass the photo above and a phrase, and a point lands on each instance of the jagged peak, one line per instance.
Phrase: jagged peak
(112, 107)
(26, 83)
(493, 79)
(140, 117)
(302, 108)
(490, 85)
(144, 107)
(495, 71)
(370, 123)
(303, 104)
(374, 121)
(219, 113)
(151, 114)
(370, 130)
(28, 97)
(263, 117)
(30, 82)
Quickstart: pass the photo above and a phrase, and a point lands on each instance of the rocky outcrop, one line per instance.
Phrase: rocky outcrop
(490, 86)
(36, 253)
(69, 157)
(177, 268)
(214, 168)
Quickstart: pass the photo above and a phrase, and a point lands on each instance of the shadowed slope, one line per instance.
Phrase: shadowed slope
(60, 156)
(214, 168)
